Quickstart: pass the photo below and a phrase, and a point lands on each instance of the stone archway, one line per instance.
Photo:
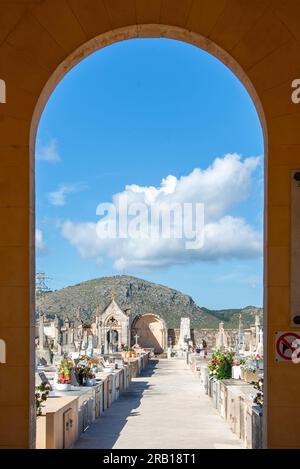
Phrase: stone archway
(39, 42)
(112, 329)
(151, 332)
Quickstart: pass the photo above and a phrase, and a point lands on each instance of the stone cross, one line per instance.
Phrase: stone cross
(136, 339)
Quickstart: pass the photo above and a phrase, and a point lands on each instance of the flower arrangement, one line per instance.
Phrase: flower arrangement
(238, 361)
(84, 369)
(220, 364)
(255, 359)
(64, 370)
(41, 395)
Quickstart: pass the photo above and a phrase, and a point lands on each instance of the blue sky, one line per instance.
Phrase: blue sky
(133, 114)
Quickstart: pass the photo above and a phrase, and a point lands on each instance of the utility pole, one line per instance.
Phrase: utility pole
(41, 289)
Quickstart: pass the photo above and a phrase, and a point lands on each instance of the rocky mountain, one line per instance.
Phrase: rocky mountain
(141, 297)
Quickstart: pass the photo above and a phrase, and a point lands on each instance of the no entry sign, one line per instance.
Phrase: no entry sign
(285, 345)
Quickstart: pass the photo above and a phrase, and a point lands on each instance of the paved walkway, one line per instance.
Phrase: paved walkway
(164, 408)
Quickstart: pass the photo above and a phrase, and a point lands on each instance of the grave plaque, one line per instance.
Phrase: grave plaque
(43, 379)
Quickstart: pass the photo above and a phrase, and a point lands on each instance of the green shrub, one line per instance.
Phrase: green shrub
(220, 365)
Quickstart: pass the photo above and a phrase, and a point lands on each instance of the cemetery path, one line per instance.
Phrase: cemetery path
(163, 408)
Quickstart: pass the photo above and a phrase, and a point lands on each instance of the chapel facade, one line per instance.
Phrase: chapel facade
(113, 328)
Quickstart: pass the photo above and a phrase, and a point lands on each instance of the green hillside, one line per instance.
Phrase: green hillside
(141, 297)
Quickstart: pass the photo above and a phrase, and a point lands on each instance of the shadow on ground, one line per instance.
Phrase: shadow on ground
(105, 431)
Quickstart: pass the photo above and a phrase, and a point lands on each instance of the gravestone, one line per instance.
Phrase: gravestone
(185, 333)
(222, 338)
(260, 346)
(41, 378)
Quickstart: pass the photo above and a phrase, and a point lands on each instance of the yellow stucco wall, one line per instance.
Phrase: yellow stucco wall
(36, 37)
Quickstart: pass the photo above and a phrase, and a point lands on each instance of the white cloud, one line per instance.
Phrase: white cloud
(83, 236)
(40, 244)
(48, 152)
(221, 186)
(58, 197)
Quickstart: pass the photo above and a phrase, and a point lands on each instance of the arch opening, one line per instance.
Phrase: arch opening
(149, 328)
(149, 331)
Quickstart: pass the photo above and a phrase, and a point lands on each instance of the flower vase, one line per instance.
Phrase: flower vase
(236, 372)
(63, 386)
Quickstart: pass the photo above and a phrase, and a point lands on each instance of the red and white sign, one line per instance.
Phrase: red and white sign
(285, 345)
